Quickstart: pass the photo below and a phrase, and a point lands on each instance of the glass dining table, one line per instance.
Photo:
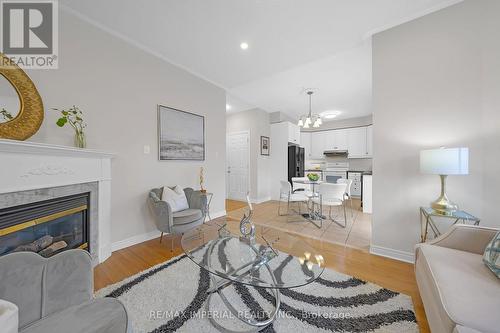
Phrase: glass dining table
(315, 216)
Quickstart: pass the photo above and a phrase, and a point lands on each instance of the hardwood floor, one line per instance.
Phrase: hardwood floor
(232, 205)
(388, 273)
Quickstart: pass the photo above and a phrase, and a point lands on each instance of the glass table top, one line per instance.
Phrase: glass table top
(458, 214)
(259, 264)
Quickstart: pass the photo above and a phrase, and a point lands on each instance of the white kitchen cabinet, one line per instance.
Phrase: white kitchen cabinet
(293, 133)
(356, 138)
(305, 142)
(367, 194)
(318, 144)
(369, 141)
(356, 183)
(336, 139)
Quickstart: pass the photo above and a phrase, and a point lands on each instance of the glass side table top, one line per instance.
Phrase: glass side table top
(214, 248)
(458, 214)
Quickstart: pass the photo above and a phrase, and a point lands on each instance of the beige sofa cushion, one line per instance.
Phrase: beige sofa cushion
(467, 289)
(463, 286)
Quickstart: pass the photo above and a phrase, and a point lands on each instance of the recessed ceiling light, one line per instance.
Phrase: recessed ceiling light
(244, 46)
(330, 114)
(228, 107)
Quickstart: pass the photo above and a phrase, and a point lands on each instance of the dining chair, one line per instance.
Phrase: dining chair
(332, 195)
(298, 186)
(287, 194)
(348, 183)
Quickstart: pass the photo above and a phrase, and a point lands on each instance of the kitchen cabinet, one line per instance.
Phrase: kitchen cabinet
(305, 142)
(357, 142)
(356, 183)
(293, 133)
(336, 139)
(367, 194)
(318, 144)
(369, 141)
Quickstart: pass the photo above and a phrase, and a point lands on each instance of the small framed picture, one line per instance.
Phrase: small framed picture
(264, 145)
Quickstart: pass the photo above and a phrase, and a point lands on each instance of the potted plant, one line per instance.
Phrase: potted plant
(74, 117)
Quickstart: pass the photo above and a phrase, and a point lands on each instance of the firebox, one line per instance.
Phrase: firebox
(46, 227)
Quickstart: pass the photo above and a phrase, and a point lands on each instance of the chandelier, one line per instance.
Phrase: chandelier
(309, 119)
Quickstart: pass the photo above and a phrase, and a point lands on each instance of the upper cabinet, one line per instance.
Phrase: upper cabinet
(357, 141)
(293, 133)
(318, 144)
(369, 141)
(305, 142)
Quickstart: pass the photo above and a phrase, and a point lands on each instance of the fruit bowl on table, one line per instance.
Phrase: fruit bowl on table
(312, 177)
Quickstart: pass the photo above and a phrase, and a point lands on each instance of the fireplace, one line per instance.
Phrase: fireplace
(46, 227)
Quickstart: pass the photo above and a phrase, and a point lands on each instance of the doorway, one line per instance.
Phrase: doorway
(237, 165)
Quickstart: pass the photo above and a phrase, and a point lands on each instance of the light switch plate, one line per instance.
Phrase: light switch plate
(147, 149)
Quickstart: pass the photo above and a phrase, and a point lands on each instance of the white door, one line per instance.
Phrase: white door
(237, 165)
(369, 141)
(305, 142)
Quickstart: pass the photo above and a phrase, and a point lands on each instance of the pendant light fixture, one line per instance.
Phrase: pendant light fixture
(310, 119)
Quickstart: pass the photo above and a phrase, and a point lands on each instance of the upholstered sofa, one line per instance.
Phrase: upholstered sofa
(56, 294)
(460, 294)
(179, 222)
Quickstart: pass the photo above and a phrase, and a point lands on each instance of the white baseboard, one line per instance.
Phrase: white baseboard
(134, 240)
(393, 254)
(150, 235)
(215, 215)
(259, 200)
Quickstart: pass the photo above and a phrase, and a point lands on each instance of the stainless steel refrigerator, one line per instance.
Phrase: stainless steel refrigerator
(295, 162)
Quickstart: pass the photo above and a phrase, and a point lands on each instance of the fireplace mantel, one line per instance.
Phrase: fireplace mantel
(29, 166)
(24, 147)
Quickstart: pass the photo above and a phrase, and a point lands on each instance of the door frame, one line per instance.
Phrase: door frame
(247, 132)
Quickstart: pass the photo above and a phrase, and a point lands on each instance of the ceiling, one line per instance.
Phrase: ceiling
(293, 44)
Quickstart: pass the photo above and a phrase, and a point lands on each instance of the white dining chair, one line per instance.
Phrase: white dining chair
(348, 183)
(298, 186)
(332, 195)
(287, 195)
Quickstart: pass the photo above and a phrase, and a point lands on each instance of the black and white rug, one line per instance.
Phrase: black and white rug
(171, 296)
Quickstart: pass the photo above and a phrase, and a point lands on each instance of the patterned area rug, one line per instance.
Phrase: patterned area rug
(171, 297)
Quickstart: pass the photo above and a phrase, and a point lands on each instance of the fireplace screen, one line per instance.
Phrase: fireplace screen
(47, 227)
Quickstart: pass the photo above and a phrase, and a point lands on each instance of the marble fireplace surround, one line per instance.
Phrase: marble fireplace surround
(31, 172)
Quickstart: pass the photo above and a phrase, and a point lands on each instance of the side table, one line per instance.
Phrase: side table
(206, 209)
(427, 221)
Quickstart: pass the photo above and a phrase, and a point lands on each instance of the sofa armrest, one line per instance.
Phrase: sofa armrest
(162, 212)
(467, 238)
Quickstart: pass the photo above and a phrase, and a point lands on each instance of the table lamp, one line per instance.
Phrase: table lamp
(444, 162)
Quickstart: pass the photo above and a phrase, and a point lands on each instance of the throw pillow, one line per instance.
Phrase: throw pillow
(491, 255)
(175, 197)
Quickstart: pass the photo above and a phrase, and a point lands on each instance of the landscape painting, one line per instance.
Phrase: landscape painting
(181, 135)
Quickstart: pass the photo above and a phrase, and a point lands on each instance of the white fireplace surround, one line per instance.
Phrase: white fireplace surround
(29, 166)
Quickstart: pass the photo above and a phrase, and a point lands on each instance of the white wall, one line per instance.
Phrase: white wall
(256, 121)
(435, 83)
(118, 88)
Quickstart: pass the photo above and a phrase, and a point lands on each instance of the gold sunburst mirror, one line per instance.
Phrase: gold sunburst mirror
(21, 107)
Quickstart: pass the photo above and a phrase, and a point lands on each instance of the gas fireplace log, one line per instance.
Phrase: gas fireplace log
(36, 246)
(53, 248)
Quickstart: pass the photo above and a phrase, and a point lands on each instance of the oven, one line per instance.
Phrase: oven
(333, 176)
(335, 171)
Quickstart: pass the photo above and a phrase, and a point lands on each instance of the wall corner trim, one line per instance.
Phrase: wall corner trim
(408, 257)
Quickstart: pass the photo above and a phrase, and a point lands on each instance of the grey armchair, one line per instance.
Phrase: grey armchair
(55, 294)
(177, 223)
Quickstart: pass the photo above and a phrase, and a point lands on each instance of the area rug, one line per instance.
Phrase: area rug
(171, 297)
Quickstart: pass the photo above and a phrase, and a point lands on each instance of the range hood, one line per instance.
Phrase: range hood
(335, 153)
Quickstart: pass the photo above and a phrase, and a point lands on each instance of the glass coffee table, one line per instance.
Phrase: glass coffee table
(231, 259)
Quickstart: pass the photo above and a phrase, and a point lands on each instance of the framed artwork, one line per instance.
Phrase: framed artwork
(181, 135)
(264, 145)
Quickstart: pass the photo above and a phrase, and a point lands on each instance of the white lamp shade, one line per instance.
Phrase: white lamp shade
(445, 161)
